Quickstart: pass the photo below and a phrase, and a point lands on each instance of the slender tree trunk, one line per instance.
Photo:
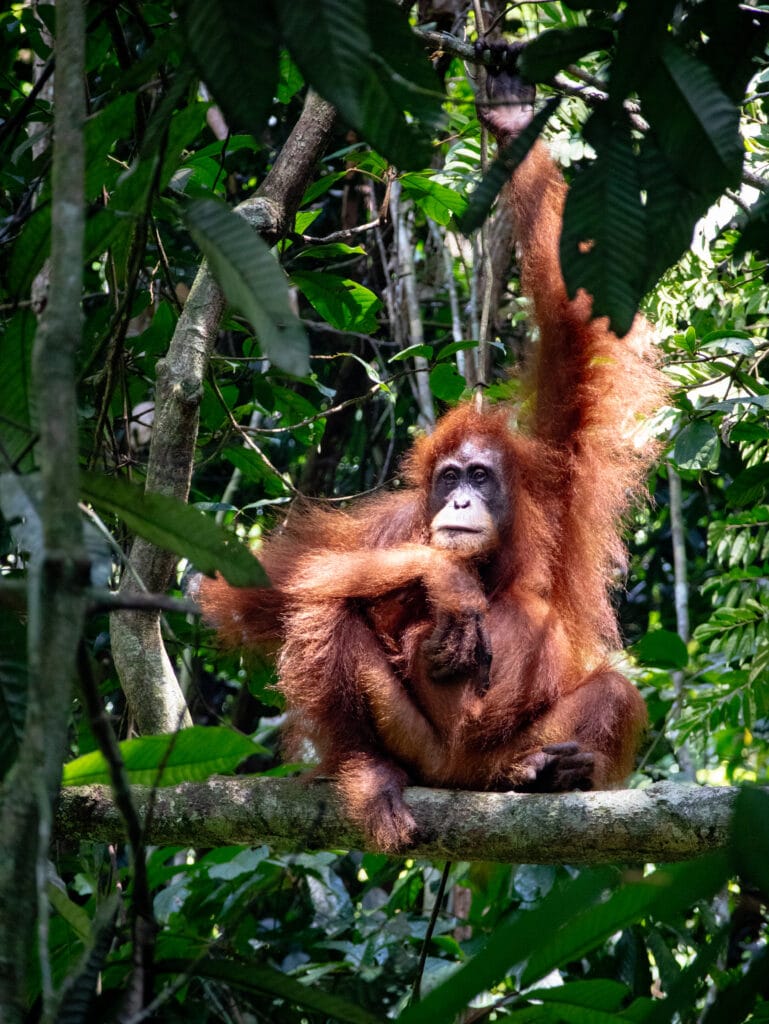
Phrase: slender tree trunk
(58, 578)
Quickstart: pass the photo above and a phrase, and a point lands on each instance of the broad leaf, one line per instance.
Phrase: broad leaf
(546, 55)
(750, 836)
(113, 122)
(696, 123)
(235, 47)
(511, 944)
(176, 527)
(446, 383)
(735, 1002)
(15, 354)
(662, 648)
(750, 486)
(436, 201)
(571, 920)
(665, 894)
(252, 280)
(601, 995)
(261, 980)
(346, 305)
(371, 68)
(186, 756)
(697, 446)
(642, 28)
(672, 209)
(31, 249)
(604, 229)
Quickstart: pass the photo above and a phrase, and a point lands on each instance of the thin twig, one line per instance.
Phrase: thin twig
(337, 236)
(416, 988)
(247, 441)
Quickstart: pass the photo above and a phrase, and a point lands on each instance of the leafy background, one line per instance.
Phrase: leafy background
(321, 371)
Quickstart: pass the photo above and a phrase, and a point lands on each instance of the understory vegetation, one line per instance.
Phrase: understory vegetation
(364, 285)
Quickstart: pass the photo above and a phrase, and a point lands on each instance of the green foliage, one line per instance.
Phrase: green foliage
(252, 281)
(190, 755)
(321, 377)
(605, 226)
(222, 35)
(556, 49)
(176, 527)
(488, 189)
(345, 304)
(662, 648)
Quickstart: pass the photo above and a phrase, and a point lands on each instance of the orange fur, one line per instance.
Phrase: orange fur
(357, 594)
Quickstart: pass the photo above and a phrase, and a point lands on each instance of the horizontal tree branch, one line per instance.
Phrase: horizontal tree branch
(665, 822)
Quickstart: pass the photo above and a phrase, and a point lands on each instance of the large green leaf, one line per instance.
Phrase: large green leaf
(437, 201)
(672, 209)
(511, 944)
(735, 1002)
(750, 486)
(696, 123)
(102, 132)
(697, 446)
(446, 383)
(750, 836)
(641, 30)
(604, 239)
(546, 55)
(362, 56)
(235, 47)
(662, 648)
(176, 527)
(252, 280)
(31, 248)
(681, 990)
(346, 305)
(665, 894)
(187, 756)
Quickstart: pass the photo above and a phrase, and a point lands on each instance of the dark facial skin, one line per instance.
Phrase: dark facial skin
(468, 501)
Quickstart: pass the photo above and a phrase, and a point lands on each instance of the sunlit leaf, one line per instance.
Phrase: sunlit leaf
(446, 383)
(346, 304)
(189, 755)
(437, 201)
(663, 649)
